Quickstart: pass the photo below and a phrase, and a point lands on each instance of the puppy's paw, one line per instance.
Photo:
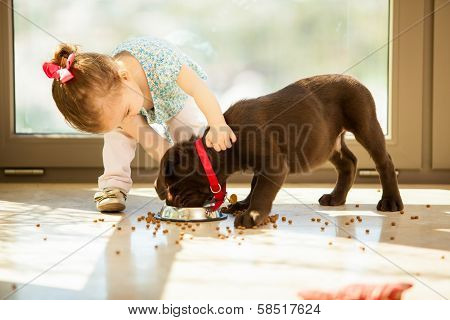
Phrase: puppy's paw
(249, 219)
(331, 200)
(390, 204)
(236, 207)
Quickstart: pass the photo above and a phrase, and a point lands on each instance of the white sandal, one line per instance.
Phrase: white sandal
(110, 200)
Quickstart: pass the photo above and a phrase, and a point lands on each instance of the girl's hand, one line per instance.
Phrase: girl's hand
(220, 137)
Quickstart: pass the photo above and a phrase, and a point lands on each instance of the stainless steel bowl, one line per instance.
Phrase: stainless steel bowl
(168, 213)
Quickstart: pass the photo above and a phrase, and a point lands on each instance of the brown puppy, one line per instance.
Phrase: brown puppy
(294, 129)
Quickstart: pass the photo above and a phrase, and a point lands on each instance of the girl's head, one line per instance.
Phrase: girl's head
(100, 94)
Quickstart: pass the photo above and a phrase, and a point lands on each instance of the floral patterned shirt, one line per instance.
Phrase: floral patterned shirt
(161, 63)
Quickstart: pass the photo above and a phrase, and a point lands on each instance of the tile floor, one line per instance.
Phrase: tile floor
(71, 257)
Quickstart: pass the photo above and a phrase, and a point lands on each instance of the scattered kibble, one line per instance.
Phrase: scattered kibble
(147, 226)
(362, 248)
(154, 233)
(95, 220)
(414, 217)
(239, 243)
(117, 252)
(322, 228)
(13, 286)
(428, 206)
(193, 230)
(241, 232)
(283, 218)
(326, 223)
(349, 237)
(273, 218)
(393, 224)
(217, 228)
(177, 242)
(156, 247)
(119, 228)
(318, 219)
(38, 225)
(101, 220)
(290, 221)
(113, 225)
(442, 257)
(347, 223)
(367, 230)
(402, 212)
(275, 225)
(197, 224)
(165, 231)
(313, 219)
(357, 205)
(45, 238)
(352, 220)
(391, 238)
(133, 228)
(330, 243)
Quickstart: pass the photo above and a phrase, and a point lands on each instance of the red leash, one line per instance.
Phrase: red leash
(214, 185)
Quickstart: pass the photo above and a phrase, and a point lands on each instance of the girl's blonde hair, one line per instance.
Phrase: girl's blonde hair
(95, 76)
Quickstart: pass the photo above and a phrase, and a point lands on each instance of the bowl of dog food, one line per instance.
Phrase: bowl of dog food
(200, 214)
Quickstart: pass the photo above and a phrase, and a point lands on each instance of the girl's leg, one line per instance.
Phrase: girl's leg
(119, 150)
(189, 121)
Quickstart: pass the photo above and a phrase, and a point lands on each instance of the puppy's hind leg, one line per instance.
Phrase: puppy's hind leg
(345, 162)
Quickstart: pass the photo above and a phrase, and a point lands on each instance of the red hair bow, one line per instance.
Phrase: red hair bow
(62, 74)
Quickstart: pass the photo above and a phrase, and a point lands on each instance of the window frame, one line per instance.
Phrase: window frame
(404, 141)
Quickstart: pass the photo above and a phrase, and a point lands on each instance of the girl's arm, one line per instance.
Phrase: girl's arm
(220, 135)
(149, 139)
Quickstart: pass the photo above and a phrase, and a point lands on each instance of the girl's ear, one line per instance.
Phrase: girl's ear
(123, 74)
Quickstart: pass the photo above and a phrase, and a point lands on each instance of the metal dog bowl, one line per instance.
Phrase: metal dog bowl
(168, 213)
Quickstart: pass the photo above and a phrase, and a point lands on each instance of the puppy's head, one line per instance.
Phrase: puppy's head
(181, 180)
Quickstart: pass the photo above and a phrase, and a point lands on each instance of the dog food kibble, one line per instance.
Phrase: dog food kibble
(239, 243)
(95, 220)
(318, 219)
(113, 225)
(349, 237)
(165, 231)
(442, 257)
(274, 218)
(330, 243)
(13, 286)
(290, 221)
(275, 226)
(38, 225)
(240, 232)
(352, 220)
(414, 217)
(193, 230)
(393, 224)
(357, 205)
(313, 219)
(402, 212)
(133, 228)
(428, 206)
(119, 228)
(228, 230)
(45, 238)
(367, 230)
(101, 220)
(147, 226)
(117, 252)
(154, 233)
(363, 249)
(217, 228)
(347, 223)
(283, 218)
(391, 238)
(177, 242)
(156, 247)
(326, 223)
(322, 228)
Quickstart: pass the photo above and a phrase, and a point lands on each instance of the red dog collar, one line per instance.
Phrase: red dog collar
(214, 185)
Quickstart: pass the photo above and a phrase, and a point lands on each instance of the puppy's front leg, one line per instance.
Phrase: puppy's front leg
(262, 197)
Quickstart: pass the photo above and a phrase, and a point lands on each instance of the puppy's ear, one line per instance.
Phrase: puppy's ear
(171, 164)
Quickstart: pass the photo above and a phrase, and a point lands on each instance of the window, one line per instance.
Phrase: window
(248, 47)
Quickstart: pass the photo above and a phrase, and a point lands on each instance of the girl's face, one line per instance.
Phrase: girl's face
(121, 105)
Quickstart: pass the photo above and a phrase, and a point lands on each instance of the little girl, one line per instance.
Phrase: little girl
(146, 83)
